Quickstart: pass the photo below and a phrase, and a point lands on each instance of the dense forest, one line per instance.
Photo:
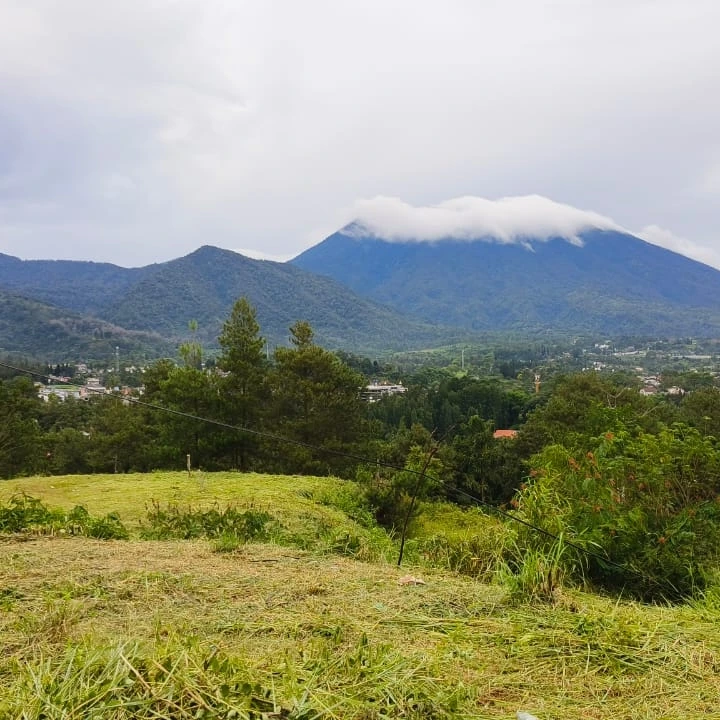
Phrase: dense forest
(634, 478)
(71, 309)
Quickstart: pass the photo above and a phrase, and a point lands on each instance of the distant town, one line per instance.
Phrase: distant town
(655, 365)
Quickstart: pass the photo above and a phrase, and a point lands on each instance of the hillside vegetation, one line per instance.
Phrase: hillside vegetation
(293, 626)
(624, 488)
(158, 301)
(613, 283)
(80, 286)
(205, 284)
(37, 329)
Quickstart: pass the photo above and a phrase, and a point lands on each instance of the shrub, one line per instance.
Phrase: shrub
(463, 540)
(647, 503)
(395, 497)
(350, 499)
(173, 522)
(24, 513)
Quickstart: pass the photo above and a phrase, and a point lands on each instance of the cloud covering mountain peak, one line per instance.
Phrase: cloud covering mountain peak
(470, 218)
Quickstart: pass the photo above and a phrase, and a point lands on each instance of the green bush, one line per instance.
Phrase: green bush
(24, 513)
(173, 522)
(646, 503)
(350, 499)
(395, 496)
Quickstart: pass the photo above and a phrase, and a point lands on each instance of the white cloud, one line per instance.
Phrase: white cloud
(507, 220)
(243, 118)
(666, 239)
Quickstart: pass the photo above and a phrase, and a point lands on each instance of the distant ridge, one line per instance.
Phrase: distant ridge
(77, 285)
(56, 335)
(608, 282)
(159, 301)
(204, 284)
(364, 293)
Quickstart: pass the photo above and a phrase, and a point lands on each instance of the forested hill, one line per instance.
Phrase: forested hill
(202, 286)
(57, 335)
(84, 287)
(612, 283)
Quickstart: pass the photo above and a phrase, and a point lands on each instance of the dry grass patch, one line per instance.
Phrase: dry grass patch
(306, 636)
(172, 629)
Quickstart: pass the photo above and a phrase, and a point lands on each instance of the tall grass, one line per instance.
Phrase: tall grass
(179, 682)
(230, 527)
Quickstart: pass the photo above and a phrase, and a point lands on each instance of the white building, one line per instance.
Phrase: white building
(373, 393)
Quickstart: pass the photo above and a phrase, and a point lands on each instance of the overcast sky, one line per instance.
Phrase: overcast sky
(135, 131)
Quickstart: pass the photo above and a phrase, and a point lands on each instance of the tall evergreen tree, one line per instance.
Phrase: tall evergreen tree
(191, 351)
(19, 432)
(194, 392)
(316, 400)
(243, 390)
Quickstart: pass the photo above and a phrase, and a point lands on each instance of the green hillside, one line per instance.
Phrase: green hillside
(79, 286)
(313, 620)
(205, 284)
(56, 335)
(162, 299)
(611, 283)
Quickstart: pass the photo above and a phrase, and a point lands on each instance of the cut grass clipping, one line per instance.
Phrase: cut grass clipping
(286, 627)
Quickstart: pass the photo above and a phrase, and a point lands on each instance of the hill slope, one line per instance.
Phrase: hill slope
(614, 283)
(76, 285)
(56, 335)
(169, 628)
(202, 286)
(205, 284)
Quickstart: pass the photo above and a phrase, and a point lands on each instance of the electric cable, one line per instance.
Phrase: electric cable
(359, 458)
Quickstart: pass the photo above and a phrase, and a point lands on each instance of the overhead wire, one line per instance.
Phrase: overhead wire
(359, 458)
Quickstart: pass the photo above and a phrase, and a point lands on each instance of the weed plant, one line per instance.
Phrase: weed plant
(184, 681)
(229, 528)
(349, 498)
(26, 514)
(172, 522)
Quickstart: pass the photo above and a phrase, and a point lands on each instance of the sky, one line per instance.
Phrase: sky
(134, 132)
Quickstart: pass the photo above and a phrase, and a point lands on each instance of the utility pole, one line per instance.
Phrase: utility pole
(462, 359)
(117, 360)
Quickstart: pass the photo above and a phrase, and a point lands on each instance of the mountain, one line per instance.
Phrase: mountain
(56, 335)
(163, 298)
(76, 285)
(610, 282)
(205, 284)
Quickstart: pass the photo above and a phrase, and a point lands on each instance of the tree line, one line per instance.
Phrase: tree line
(628, 475)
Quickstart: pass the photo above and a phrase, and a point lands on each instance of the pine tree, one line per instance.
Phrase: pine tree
(316, 400)
(243, 389)
(19, 433)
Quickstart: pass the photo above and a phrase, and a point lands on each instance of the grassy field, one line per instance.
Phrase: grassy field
(315, 622)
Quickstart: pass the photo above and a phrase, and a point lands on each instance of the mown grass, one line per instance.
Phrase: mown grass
(171, 628)
(130, 495)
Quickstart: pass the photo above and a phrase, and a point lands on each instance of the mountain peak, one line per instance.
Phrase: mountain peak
(210, 251)
(564, 278)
